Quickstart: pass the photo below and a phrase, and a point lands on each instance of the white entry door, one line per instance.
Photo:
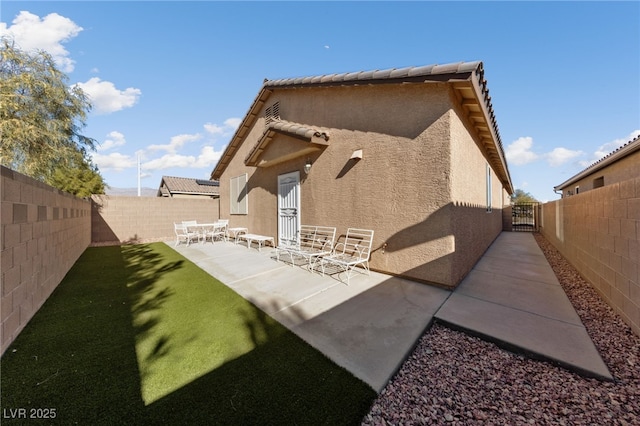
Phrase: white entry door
(288, 207)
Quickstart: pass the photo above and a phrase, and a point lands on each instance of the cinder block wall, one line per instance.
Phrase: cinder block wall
(44, 232)
(598, 231)
(116, 220)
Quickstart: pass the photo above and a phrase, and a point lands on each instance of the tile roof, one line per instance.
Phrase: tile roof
(428, 72)
(294, 129)
(180, 185)
(472, 87)
(625, 150)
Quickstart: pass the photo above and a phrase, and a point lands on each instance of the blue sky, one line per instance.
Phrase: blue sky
(170, 81)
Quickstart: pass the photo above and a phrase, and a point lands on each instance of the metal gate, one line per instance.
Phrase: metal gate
(525, 217)
(288, 208)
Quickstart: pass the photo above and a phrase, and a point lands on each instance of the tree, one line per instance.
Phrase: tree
(80, 177)
(41, 119)
(519, 196)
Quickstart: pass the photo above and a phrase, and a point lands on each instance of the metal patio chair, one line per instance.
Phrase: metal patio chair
(352, 252)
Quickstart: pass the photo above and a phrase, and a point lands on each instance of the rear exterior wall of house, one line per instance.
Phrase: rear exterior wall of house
(402, 188)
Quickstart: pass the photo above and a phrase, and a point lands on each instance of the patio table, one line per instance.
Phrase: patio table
(260, 239)
(201, 228)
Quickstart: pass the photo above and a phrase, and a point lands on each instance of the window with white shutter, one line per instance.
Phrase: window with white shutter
(238, 200)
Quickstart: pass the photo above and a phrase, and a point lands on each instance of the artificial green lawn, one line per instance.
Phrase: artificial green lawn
(139, 335)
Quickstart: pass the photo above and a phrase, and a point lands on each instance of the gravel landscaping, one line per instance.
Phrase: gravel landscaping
(454, 378)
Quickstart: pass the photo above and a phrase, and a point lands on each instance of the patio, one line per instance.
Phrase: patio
(367, 327)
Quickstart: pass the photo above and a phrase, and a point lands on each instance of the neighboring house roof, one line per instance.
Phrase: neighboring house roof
(178, 185)
(625, 150)
(466, 77)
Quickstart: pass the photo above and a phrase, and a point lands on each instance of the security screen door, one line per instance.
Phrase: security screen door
(288, 208)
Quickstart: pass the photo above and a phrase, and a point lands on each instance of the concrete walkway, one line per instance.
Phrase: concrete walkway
(512, 297)
(371, 326)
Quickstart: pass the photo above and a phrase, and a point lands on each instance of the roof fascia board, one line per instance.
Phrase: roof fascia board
(489, 117)
(238, 136)
(194, 192)
(290, 83)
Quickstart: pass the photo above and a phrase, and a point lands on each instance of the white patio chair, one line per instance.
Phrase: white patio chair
(192, 226)
(184, 234)
(218, 231)
(311, 243)
(352, 252)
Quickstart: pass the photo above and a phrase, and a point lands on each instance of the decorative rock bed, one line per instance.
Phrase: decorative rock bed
(453, 378)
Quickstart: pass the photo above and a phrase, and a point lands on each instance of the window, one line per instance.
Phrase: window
(577, 190)
(489, 209)
(598, 182)
(238, 199)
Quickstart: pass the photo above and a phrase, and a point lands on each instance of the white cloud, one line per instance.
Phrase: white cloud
(232, 122)
(114, 161)
(214, 129)
(106, 98)
(177, 142)
(113, 140)
(519, 151)
(228, 127)
(207, 158)
(30, 32)
(609, 147)
(559, 156)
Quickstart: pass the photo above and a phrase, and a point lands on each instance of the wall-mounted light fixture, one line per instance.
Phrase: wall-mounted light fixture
(357, 155)
(307, 166)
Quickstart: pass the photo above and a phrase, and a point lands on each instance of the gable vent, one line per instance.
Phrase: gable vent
(272, 113)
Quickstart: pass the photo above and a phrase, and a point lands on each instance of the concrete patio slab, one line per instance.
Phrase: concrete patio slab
(372, 333)
(368, 327)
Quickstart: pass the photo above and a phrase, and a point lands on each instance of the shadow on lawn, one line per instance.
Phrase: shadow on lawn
(145, 267)
(78, 356)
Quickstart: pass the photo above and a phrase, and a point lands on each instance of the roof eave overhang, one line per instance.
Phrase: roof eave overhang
(312, 136)
(209, 194)
(477, 103)
(241, 132)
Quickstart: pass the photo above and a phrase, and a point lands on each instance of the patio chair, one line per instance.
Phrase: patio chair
(184, 234)
(218, 231)
(353, 251)
(311, 242)
(192, 226)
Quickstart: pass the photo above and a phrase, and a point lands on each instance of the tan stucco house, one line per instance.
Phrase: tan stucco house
(622, 164)
(181, 187)
(412, 153)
